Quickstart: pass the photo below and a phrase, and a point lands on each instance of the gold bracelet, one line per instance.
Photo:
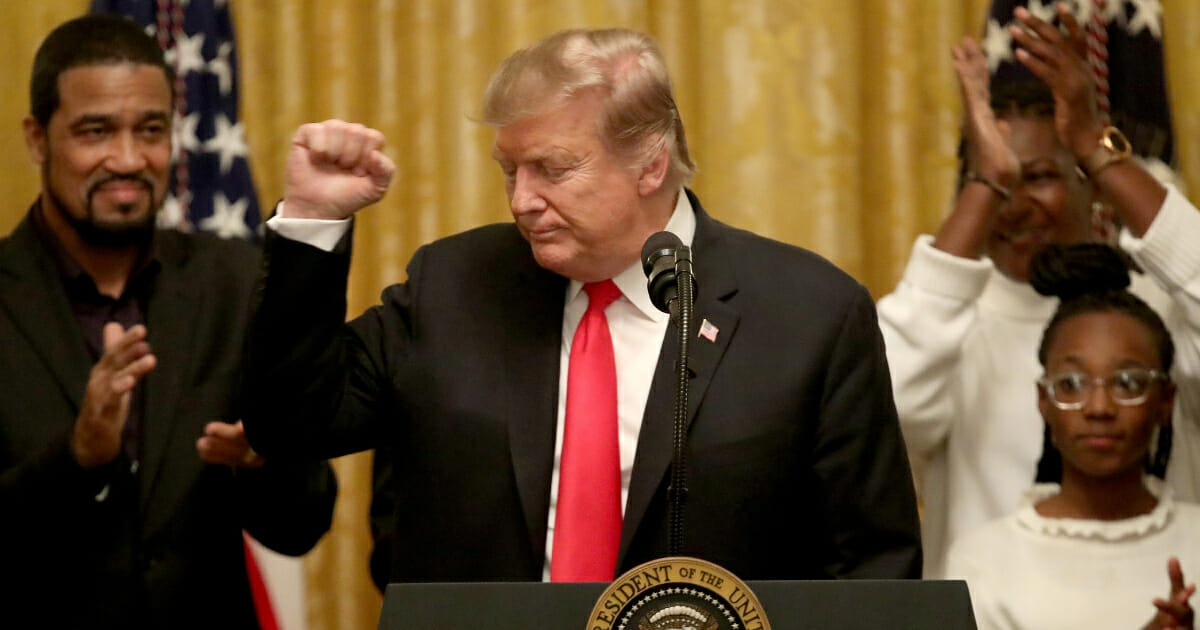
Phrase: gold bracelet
(973, 176)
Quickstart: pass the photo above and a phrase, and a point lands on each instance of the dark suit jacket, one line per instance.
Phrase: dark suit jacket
(797, 468)
(162, 548)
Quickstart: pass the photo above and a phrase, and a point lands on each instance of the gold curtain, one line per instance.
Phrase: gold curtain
(830, 124)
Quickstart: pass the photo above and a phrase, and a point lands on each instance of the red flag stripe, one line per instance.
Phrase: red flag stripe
(258, 589)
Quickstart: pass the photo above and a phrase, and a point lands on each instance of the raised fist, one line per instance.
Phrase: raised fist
(334, 169)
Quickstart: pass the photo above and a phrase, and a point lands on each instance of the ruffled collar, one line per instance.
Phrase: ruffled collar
(1088, 529)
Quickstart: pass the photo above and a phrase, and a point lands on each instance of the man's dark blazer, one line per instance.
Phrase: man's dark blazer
(162, 548)
(796, 464)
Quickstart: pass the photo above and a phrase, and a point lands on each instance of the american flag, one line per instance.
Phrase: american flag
(1129, 34)
(211, 188)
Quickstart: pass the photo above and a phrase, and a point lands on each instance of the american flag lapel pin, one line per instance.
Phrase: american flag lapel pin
(709, 331)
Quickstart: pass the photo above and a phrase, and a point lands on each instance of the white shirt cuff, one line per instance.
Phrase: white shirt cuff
(320, 233)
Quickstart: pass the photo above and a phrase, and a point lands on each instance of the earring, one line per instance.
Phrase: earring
(1104, 224)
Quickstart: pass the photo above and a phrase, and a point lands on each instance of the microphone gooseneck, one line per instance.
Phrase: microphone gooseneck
(667, 263)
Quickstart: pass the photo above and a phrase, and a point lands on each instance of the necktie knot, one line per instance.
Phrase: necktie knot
(601, 294)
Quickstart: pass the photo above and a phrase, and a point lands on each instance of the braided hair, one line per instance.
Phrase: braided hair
(1094, 278)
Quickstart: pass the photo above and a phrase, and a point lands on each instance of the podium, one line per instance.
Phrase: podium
(789, 605)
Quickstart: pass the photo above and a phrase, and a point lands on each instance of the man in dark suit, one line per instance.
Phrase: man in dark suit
(466, 371)
(125, 478)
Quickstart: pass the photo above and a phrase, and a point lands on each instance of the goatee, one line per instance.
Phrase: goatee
(108, 235)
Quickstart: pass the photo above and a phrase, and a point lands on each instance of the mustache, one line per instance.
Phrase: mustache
(112, 177)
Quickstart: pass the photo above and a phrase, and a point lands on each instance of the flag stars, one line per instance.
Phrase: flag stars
(1044, 12)
(184, 132)
(173, 214)
(219, 66)
(187, 55)
(1082, 10)
(1147, 16)
(229, 142)
(228, 220)
(1113, 11)
(997, 45)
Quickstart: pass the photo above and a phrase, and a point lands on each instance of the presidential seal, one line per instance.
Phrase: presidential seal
(678, 593)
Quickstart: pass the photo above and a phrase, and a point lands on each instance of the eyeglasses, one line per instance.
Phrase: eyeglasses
(1128, 387)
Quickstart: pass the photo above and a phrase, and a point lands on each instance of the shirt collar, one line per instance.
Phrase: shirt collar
(632, 281)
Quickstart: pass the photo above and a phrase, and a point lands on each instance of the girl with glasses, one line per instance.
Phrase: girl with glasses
(1091, 550)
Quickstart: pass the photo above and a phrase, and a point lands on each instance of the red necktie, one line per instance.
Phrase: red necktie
(587, 522)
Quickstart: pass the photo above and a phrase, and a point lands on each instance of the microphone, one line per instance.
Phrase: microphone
(658, 262)
(668, 266)
(664, 259)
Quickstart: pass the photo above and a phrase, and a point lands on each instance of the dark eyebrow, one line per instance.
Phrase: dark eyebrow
(92, 119)
(155, 115)
(108, 119)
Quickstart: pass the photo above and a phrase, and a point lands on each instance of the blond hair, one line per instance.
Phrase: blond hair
(626, 67)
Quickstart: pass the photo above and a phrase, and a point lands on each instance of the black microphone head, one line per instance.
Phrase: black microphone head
(658, 262)
(659, 244)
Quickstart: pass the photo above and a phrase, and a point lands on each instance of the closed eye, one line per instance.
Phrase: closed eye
(555, 173)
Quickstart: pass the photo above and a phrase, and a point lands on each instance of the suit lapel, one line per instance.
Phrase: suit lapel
(32, 295)
(654, 450)
(532, 329)
(171, 320)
